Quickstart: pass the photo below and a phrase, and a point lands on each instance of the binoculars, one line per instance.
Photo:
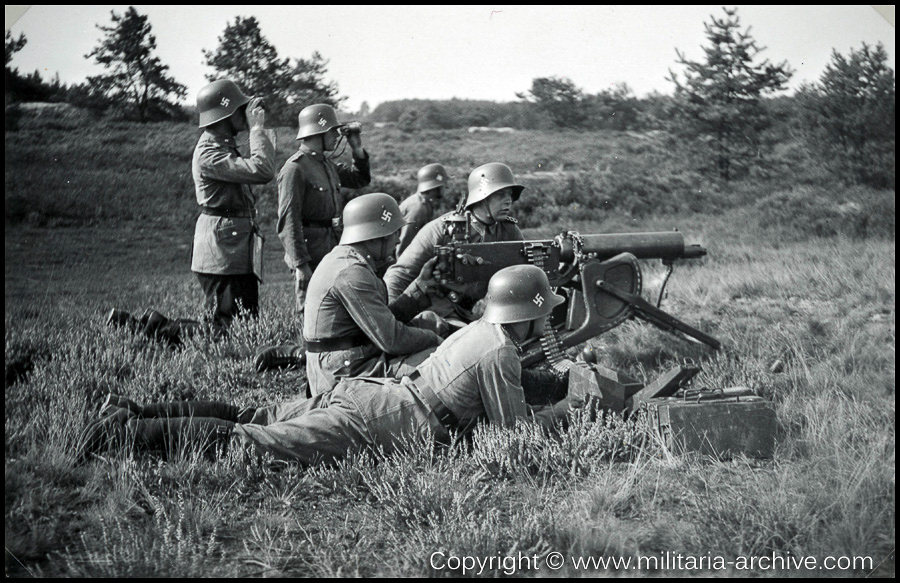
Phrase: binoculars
(353, 127)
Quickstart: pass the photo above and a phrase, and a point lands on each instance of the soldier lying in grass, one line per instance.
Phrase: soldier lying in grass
(475, 374)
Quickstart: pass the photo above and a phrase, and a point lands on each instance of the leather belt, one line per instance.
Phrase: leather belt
(444, 415)
(217, 212)
(332, 223)
(333, 344)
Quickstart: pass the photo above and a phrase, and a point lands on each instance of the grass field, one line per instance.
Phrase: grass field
(807, 321)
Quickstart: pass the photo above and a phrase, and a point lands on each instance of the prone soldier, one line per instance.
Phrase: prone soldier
(474, 375)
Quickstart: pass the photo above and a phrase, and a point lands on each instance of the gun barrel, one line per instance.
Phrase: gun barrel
(665, 245)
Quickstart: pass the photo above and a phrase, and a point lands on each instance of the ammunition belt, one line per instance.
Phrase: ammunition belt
(444, 415)
(334, 344)
(231, 213)
(555, 355)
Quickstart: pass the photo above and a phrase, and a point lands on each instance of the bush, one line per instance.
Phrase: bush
(816, 211)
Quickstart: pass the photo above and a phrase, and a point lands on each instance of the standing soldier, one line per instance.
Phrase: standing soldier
(418, 209)
(492, 190)
(309, 192)
(223, 254)
(226, 237)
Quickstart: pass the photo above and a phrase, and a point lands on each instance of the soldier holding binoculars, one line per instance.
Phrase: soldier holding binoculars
(310, 202)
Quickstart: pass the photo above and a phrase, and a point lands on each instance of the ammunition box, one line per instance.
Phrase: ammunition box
(609, 388)
(722, 428)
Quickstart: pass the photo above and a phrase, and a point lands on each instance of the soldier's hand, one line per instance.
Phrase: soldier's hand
(428, 276)
(301, 282)
(355, 141)
(256, 115)
(302, 275)
(428, 320)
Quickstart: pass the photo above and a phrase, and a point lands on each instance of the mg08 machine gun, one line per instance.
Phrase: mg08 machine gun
(600, 277)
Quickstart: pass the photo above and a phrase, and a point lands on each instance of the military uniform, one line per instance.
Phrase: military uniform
(440, 231)
(473, 375)
(349, 328)
(310, 204)
(417, 212)
(222, 251)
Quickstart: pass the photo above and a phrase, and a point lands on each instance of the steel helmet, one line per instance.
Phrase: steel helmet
(431, 176)
(316, 119)
(371, 216)
(519, 293)
(488, 179)
(219, 100)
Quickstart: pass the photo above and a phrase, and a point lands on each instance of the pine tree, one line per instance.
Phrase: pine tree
(849, 116)
(135, 75)
(246, 57)
(717, 108)
(559, 100)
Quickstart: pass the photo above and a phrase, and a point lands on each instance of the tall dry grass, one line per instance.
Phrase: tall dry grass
(806, 321)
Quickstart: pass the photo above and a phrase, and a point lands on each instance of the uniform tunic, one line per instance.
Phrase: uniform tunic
(437, 232)
(346, 299)
(221, 176)
(309, 191)
(475, 373)
(417, 212)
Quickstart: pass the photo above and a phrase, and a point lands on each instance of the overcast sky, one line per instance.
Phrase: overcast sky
(384, 53)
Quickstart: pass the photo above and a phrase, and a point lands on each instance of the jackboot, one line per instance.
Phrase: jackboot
(114, 402)
(103, 434)
(122, 318)
(169, 435)
(284, 356)
(213, 409)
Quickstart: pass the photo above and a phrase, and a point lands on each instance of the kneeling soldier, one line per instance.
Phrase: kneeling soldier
(349, 329)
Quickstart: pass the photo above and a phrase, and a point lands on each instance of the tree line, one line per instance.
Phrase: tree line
(726, 107)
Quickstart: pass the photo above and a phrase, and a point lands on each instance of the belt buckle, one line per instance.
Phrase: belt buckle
(336, 222)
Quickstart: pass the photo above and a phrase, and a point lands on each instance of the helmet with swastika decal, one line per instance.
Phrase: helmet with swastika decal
(219, 100)
(371, 216)
(519, 293)
(488, 179)
(430, 177)
(316, 119)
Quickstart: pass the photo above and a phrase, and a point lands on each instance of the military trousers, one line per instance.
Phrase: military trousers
(227, 295)
(359, 414)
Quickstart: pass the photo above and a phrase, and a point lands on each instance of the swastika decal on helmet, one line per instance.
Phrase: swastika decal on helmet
(370, 216)
(219, 100)
(538, 300)
(322, 121)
